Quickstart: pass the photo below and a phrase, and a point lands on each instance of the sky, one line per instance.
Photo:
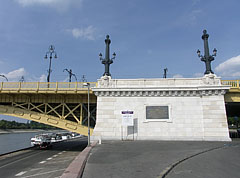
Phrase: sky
(146, 35)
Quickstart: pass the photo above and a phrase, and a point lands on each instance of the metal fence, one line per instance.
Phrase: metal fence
(45, 85)
(232, 83)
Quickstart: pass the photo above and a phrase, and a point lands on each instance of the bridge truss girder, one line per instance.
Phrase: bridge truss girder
(63, 111)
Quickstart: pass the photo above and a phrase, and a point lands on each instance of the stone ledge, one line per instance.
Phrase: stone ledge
(158, 92)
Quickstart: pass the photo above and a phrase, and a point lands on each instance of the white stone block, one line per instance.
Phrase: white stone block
(195, 113)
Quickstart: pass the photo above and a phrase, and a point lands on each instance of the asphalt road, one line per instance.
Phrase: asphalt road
(41, 163)
(151, 159)
(220, 163)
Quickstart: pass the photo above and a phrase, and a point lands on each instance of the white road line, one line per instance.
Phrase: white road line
(49, 158)
(21, 173)
(60, 153)
(55, 156)
(20, 160)
(42, 162)
(35, 169)
(59, 161)
(43, 173)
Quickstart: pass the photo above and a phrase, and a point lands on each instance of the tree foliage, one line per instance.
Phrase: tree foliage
(4, 124)
(234, 121)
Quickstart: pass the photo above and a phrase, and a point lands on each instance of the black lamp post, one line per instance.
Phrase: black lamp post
(4, 77)
(165, 73)
(51, 52)
(207, 58)
(107, 61)
(70, 74)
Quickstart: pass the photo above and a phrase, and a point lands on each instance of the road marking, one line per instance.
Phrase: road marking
(59, 161)
(20, 159)
(43, 162)
(60, 153)
(21, 173)
(35, 169)
(49, 158)
(43, 173)
(55, 156)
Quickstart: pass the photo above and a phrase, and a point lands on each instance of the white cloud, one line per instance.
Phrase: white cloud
(85, 33)
(15, 75)
(229, 68)
(57, 4)
(177, 76)
(43, 78)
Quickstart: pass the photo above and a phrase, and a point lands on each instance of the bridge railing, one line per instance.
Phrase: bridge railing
(68, 86)
(232, 83)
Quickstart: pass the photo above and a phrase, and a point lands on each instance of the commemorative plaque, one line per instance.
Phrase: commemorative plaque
(157, 112)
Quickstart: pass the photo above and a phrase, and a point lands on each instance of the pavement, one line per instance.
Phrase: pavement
(170, 159)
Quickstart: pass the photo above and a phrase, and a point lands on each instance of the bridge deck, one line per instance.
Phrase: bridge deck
(45, 87)
(60, 104)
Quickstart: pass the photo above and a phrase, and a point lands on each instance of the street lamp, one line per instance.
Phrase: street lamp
(207, 58)
(88, 85)
(70, 74)
(50, 52)
(107, 61)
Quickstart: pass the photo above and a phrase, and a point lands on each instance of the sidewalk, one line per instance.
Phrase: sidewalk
(153, 159)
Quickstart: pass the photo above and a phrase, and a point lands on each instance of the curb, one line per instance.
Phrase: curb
(75, 169)
(168, 169)
(23, 149)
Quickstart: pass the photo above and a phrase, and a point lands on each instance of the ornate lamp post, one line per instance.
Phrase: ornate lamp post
(107, 61)
(70, 74)
(50, 52)
(207, 58)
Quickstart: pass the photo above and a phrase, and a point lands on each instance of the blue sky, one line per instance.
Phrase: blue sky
(147, 36)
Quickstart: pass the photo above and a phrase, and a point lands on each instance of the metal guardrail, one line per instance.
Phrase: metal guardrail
(36, 86)
(232, 83)
(70, 86)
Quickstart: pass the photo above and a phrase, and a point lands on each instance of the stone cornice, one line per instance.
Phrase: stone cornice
(160, 92)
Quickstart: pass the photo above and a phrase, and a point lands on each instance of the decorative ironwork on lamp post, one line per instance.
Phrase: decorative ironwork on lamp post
(51, 52)
(107, 61)
(207, 58)
(4, 77)
(70, 74)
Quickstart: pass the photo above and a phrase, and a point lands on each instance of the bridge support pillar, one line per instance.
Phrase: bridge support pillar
(161, 109)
